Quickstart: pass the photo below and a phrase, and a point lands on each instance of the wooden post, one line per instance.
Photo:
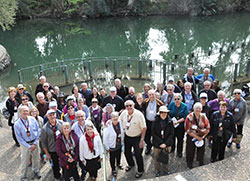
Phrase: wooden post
(84, 63)
(106, 62)
(62, 65)
(164, 73)
(41, 69)
(129, 62)
(66, 74)
(140, 68)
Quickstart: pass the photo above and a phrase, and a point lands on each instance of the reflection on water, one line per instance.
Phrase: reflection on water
(35, 42)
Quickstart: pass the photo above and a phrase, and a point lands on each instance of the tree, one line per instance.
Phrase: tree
(7, 13)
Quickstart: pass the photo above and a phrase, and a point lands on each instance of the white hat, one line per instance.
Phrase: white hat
(170, 79)
(51, 111)
(70, 98)
(53, 104)
(112, 89)
(163, 109)
(20, 86)
(203, 95)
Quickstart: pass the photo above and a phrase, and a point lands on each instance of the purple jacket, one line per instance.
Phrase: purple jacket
(61, 148)
(214, 104)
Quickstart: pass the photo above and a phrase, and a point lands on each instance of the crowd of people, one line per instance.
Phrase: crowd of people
(70, 131)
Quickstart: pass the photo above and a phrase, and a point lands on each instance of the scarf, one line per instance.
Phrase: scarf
(90, 141)
(72, 117)
(69, 144)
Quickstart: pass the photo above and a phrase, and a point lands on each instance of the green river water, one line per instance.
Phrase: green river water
(33, 42)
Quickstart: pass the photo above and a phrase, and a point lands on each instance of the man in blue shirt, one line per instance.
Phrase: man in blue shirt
(27, 133)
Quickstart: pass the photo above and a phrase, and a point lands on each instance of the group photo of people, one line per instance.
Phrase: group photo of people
(74, 131)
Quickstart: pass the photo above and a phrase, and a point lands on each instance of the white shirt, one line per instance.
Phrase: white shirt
(84, 149)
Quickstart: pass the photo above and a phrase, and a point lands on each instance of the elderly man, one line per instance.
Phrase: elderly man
(134, 126)
(122, 90)
(39, 87)
(206, 76)
(131, 95)
(168, 97)
(78, 127)
(211, 95)
(189, 96)
(21, 92)
(59, 114)
(189, 77)
(151, 107)
(42, 105)
(177, 89)
(27, 134)
(49, 133)
(114, 99)
(86, 93)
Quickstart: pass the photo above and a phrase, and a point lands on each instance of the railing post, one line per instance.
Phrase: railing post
(164, 73)
(66, 74)
(235, 71)
(191, 56)
(172, 67)
(140, 68)
(62, 64)
(84, 63)
(150, 63)
(41, 69)
(90, 69)
(129, 62)
(20, 77)
(175, 56)
(106, 62)
(248, 68)
(115, 68)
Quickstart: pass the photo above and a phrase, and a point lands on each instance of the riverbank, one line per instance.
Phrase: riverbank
(64, 9)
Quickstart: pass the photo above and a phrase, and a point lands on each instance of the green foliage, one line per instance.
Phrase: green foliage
(7, 13)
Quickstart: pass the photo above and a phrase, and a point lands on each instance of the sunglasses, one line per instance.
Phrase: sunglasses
(177, 99)
(25, 99)
(21, 89)
(94, 102)
(80, 116)
(130, 105)
(45, 86)
(169, 89)
(237, 93)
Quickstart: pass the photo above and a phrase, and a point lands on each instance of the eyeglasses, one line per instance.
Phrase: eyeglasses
(94, 102)
(177, 99)
(130, 105)
(25, 99)
(169, 89)
(237, 93)
(80, 116)
(206, 85)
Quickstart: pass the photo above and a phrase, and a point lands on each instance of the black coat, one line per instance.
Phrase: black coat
(10, 105)
(168, 132)
(18, 96)
(228, 125)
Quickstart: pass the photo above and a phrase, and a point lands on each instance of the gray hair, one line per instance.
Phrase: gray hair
(170, 86)
(197, 105)
(88, 124)
(221, 92)
(80, 112)
(187, 83)
(178, 95)
(114, 114)
(129, 101)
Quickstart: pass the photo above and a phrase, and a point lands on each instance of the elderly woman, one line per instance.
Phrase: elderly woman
(163, 133)
(25, 102)
(35, 114)
(113, 140)
(67, 149)
(91, 151)
(12, 105)
(146, 88)
(238, 108)
(70, 117)
(106, 115)
(197, 127)
(139, 102)
(222, 127)
(83, 107)
(168, 97)
(96, 114)
(75, 93)
(214, 104)
(178, 112)
(69, 101)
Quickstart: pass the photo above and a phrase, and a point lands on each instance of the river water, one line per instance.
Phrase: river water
(33, 42)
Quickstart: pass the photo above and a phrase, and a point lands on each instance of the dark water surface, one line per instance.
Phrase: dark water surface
(33, 42)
